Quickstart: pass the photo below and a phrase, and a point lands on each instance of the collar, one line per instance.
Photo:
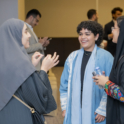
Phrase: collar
(29, 26)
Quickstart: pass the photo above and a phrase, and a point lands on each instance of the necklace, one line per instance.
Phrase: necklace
(87, 53)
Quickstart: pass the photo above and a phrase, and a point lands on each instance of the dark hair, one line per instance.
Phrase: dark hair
(34, 13)
(116, 9)
(90, 13)
(119, 20)
(94, 27)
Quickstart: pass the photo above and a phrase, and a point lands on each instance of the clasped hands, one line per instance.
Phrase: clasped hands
(48, 62)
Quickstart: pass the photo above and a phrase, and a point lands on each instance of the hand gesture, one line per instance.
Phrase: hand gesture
(49, 62)
(42, 40)
(36, 58)
(47, 42)
(99, 118)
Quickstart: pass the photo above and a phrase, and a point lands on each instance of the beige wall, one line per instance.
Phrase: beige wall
(61, 17)
(105, 7)
(21, 9)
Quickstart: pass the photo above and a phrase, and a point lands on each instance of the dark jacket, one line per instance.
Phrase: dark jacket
(111, 47)
(115, 108)
(37, 93)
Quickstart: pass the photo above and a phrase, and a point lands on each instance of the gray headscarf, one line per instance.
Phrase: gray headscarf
(15, 66)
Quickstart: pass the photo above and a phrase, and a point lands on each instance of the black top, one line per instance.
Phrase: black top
(85, 59)
(37, 93)
(115, 108)
(111, 47)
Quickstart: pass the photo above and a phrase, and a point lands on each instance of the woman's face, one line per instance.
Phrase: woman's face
(25, 36)
(115, 32)
(87, 39)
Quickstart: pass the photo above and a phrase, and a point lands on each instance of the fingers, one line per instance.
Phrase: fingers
(56, 63)
(45, 38)
(103, 72)
(36, 58)
(96, 117)
(37, 55)
(54, 56)
(54, 59)
(46, 43)
(99, 118)
(63, 113)
(97, 81)
(103, 118)
(95, 78)
(49, 56)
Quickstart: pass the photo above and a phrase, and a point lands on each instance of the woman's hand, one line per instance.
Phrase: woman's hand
(36, 58)
(49, 62)
(63, 113)
(99, 118)
(100, 80)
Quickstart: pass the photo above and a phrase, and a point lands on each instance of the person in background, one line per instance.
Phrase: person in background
(82, 101)
(114, 84)
(92, 15)
(39, 45)
(111, 47)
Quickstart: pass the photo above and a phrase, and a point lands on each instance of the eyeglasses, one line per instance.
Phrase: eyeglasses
(112, 28)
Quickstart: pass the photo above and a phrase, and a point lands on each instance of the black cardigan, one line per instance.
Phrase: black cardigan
(37, 93)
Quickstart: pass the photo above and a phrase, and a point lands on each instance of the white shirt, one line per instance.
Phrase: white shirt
(29, 26)
(32, 31)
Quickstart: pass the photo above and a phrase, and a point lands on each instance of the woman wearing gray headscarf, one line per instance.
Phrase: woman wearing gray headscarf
(19, 78)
